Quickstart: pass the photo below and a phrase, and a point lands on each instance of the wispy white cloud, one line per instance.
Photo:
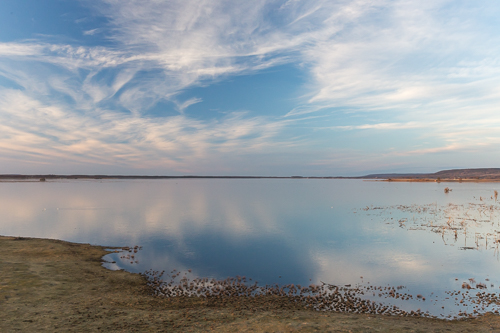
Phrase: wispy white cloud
(384, 126)
(184, 105)
(426, 66)
(32, 131)
(92, 32)
(372, 54)
(408, 61)
(20, 49)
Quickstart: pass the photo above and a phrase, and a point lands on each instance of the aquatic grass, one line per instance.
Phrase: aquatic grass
(477, 223)
(239, 291)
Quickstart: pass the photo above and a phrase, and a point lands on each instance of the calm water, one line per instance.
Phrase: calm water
(279, 231)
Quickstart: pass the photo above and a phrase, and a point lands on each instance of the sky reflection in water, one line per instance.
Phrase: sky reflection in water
(277, 231)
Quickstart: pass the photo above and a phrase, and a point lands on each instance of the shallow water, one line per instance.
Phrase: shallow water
(282, 231)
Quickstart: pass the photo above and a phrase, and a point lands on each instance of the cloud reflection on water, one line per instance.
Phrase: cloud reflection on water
(300, 230)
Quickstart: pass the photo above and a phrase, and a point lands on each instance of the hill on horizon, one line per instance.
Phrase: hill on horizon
(476, 173)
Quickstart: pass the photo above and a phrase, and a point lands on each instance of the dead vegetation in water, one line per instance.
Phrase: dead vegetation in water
(241, 292)
(472, 226)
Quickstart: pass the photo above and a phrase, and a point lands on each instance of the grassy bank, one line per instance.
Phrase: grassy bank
(56, 286)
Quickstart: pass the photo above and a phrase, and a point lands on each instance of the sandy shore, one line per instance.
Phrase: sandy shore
(56, 286)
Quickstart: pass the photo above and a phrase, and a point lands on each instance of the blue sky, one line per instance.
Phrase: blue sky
(248, 88)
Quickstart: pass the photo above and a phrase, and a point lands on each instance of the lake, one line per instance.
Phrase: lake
(369, 234)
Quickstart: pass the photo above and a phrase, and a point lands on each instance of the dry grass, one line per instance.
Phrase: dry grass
(55, 286)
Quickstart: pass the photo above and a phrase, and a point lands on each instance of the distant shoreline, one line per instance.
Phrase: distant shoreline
(47, 177)
(454, 175)
(428, 180)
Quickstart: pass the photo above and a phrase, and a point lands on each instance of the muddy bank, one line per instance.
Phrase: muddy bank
(56, 286)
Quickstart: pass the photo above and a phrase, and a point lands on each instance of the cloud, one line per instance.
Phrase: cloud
(370, 54)
(184, 105)
(408, 61)
(92, 32)
(163, 49)
(384, 126)
(19, 49)
(32, 131)
(422, 66)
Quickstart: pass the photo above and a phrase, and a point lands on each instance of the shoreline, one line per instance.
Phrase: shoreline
(421, 179)
(57, 286)
(401, 180)
(431, 180)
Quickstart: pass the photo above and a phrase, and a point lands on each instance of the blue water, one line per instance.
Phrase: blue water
(297, 231)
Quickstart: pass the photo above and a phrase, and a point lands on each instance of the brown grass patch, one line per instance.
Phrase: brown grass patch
(56, 286)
